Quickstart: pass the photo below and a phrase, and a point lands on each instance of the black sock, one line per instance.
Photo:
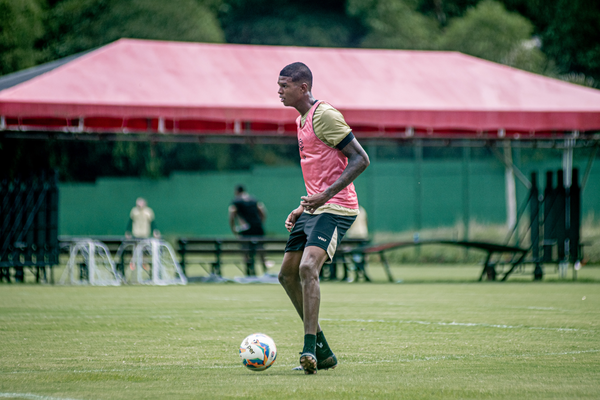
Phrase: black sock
(323, 350)
(310, 343)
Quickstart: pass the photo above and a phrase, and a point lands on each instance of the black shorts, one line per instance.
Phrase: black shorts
(322, 230)
(253, 231)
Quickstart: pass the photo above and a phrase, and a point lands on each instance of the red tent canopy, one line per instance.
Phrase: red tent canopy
(172, 87)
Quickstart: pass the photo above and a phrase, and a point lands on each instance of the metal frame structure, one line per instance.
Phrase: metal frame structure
(29, 226)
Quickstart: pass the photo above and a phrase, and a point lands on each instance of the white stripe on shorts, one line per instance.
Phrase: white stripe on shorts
(332, 244)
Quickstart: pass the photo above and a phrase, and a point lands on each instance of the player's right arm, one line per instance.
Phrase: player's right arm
(262, 211)
(129, 228)
(290, 221)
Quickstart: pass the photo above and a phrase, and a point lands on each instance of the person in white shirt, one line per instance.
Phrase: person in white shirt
(141, 221)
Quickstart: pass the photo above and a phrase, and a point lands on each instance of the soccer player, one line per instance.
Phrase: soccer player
(331, 159)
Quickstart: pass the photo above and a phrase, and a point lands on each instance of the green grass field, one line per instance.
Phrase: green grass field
(417, 340)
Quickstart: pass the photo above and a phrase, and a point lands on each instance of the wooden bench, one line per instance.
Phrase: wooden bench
(488, 265)
(250, 248)
(218, 247)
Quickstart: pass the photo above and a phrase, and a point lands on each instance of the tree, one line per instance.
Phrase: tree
(394, 24)
(573, 37)
(489, 31)
(21, 25)
(570, 35)
(78, 25)
(313, 23)
(445, 10)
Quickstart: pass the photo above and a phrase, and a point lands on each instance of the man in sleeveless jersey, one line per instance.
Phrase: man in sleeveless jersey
(331, 159)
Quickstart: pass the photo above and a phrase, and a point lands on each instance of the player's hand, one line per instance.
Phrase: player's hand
(291, 219)
(312, 202)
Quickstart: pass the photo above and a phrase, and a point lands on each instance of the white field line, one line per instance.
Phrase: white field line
(342, 361)
(472, 356)
(468, 324)
(30, 396)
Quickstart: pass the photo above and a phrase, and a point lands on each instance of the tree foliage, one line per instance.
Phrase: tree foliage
(78, 25)
(394, 24)
(445, 10)
(498, 32)
(569, 31)
(502, 36)
(289, 23)
(21, 25)
(572, 38)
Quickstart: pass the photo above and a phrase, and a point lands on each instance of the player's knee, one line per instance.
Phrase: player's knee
(285, 278)
(308, 271)
(282, 278)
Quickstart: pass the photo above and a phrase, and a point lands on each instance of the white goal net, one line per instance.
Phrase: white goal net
(90, 263)
(154, 262)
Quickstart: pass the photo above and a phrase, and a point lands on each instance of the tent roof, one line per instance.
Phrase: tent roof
(176, 86)
(14, 79)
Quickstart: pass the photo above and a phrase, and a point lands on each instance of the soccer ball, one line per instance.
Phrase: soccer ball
(258, 352)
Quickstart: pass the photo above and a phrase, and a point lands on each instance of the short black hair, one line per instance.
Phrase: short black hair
(299, 72)
(240, 189)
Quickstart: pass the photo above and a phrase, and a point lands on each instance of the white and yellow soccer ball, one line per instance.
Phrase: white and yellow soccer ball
(258, 352)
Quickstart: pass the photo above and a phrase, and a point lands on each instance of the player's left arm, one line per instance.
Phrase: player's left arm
(232, 215)
(358, 161)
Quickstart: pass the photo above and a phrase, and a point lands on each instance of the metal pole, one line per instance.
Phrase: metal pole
(564, 244)
(511, 191)
(156, 264)
(588, 168)
(92, 262)
(465, 185)
(371, 197)
(568, 159)
(418, 193)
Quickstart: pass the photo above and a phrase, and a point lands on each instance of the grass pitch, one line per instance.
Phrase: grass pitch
(509, 340)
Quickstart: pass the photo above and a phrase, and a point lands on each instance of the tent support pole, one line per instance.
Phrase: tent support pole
(568, 159)
(509, 164)
(511, 190)
(465, 187)
(418, 149)
(588, 168)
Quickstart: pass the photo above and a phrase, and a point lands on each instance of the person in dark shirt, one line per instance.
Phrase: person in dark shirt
(246, 214)
(246, 217)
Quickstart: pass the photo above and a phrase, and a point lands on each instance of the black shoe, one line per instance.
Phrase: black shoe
(327, 363)
(308, 362)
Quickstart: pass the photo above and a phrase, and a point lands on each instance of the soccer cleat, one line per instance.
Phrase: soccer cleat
(328, 363)
(308, 362)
